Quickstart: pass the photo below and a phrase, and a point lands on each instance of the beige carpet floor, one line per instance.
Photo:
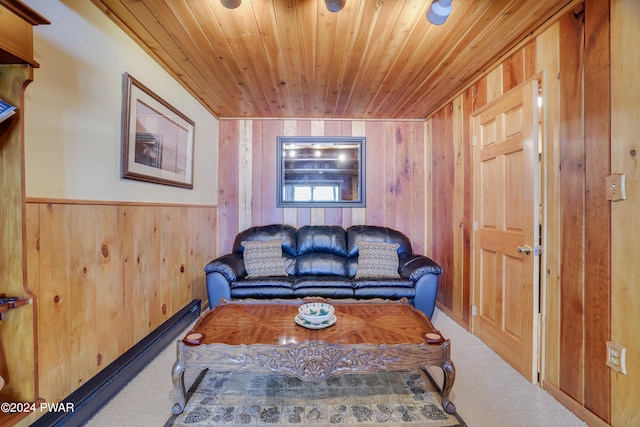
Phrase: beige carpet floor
(487, 391)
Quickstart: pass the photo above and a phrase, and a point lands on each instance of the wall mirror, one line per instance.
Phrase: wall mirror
(321, 171)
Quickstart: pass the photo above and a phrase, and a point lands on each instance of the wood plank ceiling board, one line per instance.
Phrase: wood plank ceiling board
(374, 59)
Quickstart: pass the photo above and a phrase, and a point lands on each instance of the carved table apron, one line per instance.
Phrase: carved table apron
(313, 359)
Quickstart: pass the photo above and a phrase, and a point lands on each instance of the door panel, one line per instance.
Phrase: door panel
(506, 201)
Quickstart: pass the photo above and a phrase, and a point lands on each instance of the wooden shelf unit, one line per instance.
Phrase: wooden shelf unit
(18, 327)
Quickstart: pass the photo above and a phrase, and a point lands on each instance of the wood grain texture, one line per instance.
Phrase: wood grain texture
(17, 346)
(625, 227)
(105, 276)
(294, 58)
(572, 204)
(442, 172)
(394, 166)
(597, 286)
(548, 63)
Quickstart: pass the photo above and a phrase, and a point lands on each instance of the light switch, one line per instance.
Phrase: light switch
(615, 187)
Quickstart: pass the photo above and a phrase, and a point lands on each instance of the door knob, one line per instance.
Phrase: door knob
(526, 249)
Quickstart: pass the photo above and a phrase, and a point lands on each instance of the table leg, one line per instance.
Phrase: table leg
(177, 374)
(449, 377)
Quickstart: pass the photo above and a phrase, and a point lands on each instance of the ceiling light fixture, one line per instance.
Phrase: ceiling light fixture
(231, 4)
(439, 11)
(335, 5)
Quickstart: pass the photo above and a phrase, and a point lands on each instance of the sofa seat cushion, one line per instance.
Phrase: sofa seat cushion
(387, 292)
(382, 283)
(323, 286)
(263, 287)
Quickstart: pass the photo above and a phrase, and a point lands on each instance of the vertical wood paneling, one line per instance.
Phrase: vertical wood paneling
(625, 227)
(548, 62)
(245, 167)
(376, 199)
(124, 287)
(513, 71)
(83, 271)
(572, 181)
(576, 283)
(258, 170)
(105, 276)
(159, 272)
(458, 212)
(289, 215)
(54, 309)
(266, 212)
(597, 382)
(181, 264)
(442, 194)
(228, 182)
(395, 162)
(494, 83)
(418, 191)
(141, 270)
(355, 216)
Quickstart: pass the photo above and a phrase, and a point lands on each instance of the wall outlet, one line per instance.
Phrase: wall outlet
(616, 357)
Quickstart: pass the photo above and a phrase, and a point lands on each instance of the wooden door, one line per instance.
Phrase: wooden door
(506, 233)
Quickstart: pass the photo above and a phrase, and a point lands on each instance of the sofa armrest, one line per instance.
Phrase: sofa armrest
(230, 266)
(414, 266)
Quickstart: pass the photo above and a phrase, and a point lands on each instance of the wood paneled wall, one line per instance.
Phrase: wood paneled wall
(395, 169)
(625, 227)
(575, 160)
(105, 276)
(451, 179)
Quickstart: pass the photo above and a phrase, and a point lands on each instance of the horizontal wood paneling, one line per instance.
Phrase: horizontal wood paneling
(396, 175)
(105, 276)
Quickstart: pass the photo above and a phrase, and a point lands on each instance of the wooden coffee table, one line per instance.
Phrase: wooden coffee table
(261, 336)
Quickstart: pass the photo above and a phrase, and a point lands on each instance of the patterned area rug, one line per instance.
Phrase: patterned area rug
(245, 399)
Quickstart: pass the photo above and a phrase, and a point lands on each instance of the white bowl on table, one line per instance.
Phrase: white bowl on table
(316, 312)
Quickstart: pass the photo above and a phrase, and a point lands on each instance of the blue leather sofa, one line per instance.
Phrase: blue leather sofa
(322, 261)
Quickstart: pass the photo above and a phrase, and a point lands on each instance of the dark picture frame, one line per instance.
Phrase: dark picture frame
(157, 139)
(319, 171)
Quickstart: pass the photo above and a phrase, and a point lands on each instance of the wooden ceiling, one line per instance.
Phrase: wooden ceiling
(375, 59)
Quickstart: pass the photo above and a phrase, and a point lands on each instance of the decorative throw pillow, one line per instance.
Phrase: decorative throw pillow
(263, 258)
(377, 259)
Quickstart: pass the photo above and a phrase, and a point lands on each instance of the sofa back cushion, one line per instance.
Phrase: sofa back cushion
(322, 250)
(372, 233)
(316, 239)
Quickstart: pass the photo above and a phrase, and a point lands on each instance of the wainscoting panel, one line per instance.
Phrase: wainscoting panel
(105, 276)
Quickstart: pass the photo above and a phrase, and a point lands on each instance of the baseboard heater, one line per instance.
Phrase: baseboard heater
(95, 393)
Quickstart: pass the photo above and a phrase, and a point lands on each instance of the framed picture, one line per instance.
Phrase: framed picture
(157, 140)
